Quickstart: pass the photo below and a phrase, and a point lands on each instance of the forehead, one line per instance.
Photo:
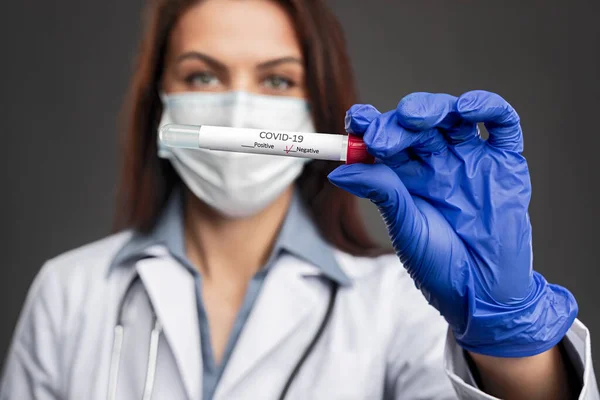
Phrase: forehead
(236, 30)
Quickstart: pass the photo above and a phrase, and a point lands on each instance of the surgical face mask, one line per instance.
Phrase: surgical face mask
(236, 184)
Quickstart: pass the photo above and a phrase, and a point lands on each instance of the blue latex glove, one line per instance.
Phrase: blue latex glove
(456, 209)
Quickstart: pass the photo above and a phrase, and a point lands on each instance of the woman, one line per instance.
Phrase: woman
(252, 276)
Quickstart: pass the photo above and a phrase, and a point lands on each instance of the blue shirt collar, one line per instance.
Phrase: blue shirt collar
(298, 236)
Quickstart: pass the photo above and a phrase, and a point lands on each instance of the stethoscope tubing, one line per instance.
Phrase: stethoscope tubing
(119, 333)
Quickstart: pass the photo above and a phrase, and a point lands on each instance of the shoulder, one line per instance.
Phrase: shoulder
(93, 257)
(380, 270)
(79, 267)
(412, 333)
(66, 282)
(101, 251)
(384, 284)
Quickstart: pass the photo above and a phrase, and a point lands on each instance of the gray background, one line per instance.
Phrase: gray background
(66, 64)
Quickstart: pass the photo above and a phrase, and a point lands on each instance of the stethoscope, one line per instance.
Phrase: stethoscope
(119, 332)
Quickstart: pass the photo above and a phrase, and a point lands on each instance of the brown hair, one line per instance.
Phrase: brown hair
(146, 181)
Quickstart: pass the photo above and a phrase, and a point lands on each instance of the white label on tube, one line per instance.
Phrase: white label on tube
(321, 146)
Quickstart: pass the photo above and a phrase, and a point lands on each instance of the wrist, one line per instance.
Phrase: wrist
(521, 330)
(543, 376)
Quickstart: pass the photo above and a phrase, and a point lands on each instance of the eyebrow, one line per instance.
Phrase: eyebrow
(213, 63)
(279, 61)
(194, 55)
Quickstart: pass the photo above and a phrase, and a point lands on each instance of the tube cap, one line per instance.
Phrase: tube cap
(357, 151)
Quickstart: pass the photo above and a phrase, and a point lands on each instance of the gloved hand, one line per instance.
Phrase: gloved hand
(456, 209)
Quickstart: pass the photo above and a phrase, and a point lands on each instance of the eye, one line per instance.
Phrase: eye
(278, 83)
(202, 79)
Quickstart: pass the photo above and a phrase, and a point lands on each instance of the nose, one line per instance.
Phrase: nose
(243, 81)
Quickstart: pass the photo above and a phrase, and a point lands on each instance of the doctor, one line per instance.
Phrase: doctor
(251, 277)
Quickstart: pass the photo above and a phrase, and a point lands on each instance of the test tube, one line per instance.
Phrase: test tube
(321, 146)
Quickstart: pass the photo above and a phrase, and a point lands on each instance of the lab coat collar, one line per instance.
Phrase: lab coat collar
(298, 237)
(288, 300)
(168, 232)
(173, 297)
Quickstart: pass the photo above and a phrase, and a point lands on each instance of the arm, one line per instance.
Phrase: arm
(456, 207)
(544, 376)
(575, 352)
(31, 369)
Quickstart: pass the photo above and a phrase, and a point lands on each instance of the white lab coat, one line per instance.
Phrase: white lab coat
(383, 340)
